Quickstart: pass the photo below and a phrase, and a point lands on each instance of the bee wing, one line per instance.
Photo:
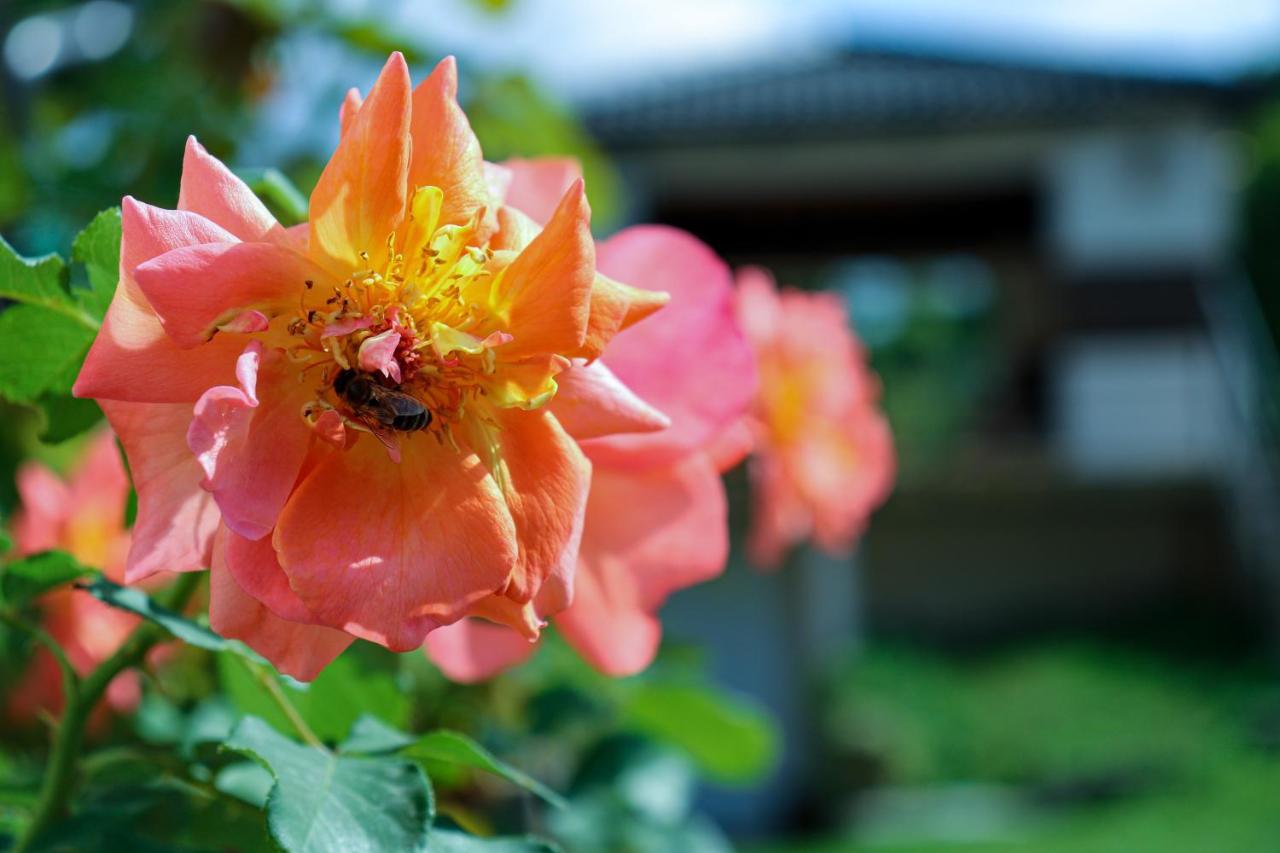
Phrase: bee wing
(387, 405)
(388, 440)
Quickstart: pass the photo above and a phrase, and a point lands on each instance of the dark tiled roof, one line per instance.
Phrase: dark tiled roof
(878, 93)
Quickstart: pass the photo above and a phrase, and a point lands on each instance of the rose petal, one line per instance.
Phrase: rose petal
(360, 197)
(389, 552)
(537, 185)
(378, 355)
(592, 402)
(296, 649)
(646, 536)
(252, 451)
(194, 289)
(446, 154)
(691, 362)
(473, 650)
(176, 517)
(212, 190)
(132, 358)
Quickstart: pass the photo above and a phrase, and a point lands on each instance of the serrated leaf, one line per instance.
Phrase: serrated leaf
(33, 281)
(453, 841)
(40, 351)
(731, 740)
(324, 802)
(136, 601)
(454, 748)
(98, 248)
(66, 417)
(27, 579)
(40, 283)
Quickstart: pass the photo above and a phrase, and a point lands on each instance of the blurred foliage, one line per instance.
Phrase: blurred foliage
(91, 132)
(1061, 747)
(513, 118)
(931, 328)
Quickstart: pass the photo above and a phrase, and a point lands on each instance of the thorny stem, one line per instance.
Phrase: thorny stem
(80, 697)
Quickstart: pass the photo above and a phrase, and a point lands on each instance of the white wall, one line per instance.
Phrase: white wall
(1140, 405)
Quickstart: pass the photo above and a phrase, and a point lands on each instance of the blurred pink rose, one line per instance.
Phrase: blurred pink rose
(85, 517)
(824, 457)
(656, 514)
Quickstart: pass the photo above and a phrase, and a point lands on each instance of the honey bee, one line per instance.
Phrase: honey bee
(379, 406)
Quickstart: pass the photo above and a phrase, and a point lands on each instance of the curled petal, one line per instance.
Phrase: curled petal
(296, 649)
(246, 322)
(132, 358)
(194, 289)
(615, 307)
(378, 355)
(346, 326)
(257, 571)
(251, 452)
(592, 402)
(330, 427)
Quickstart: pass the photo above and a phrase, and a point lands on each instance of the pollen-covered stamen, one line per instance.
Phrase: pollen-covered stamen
(423, 323)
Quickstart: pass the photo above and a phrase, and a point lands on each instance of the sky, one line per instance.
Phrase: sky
(580, 48)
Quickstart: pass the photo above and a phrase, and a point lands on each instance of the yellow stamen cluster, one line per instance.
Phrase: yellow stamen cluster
(431, 284)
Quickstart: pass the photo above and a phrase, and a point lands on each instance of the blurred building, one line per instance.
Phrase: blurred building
(1043, 262)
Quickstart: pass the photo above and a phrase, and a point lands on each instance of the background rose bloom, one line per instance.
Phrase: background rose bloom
(656, 514)
(824, 455)
(326, 514)
(85, 517)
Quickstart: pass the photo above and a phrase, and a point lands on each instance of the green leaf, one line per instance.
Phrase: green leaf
(25, 580)
(246, 781)
(6, 542)
(326, 802)
(98, 248)
(453, 841)
(45, 335)
(730, 740)
(136, 601)
(454, 748)
(279, 193)
(372, 736)
(40, 350)
(39, 281)
(66, 417)
(346, 690)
